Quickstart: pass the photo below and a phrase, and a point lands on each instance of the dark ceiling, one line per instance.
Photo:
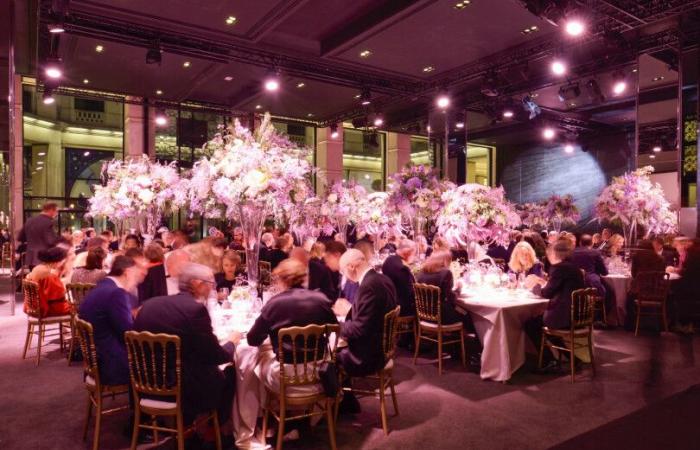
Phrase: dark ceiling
(319, 43)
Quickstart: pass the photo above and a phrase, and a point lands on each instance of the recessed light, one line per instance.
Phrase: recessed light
(230, 20)
(186, 64)
(657, 149)
(258, 106)
(310, 115)
(461, 5)
(99, 48)
(228, 78)
(86, 154)
(634, 70)
(428, 69)
(358, 95)
(365, 54)
(652, 156)
(659, 78)
(532, 29)
(575, 27)
(159, 92)
(85, 81)
(41, 154)
(301, 84)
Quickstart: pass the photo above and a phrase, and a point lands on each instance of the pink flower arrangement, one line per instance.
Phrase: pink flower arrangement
(560, 210)
(416, 191)
(476, 213)
(632, 200)
(373, 216)
(532, 215)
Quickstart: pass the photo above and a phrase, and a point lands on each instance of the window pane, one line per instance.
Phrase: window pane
(363, 158)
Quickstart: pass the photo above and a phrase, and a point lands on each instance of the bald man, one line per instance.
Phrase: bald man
(174, 261)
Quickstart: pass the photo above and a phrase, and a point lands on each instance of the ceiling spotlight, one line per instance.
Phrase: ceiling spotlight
(428, 69)
(459, 125)
(258, 106)
(301, 84)
(378, 121)
(508, 113)
(619, 83)
(186, 64)
(442, 101)
(154, 53)
(656, 149)
(99, 48)
(569, 92)
(53, 69)
(159, 92)
(569, 148)
(230, 20)
(659, 78)
(334, 131)
(461, 5)
(161, 119)
(228, 78)
(558, 67)
(86, 81)
(57, 27)
(365, 54)
(272, 82)
(574, 27)
(548, 133)
(48, 97)
(531, 107)
(365, 97)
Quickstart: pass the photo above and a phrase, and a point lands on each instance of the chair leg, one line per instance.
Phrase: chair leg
(265, 417)
(439, 353)
(415, 352)
(280, 426)
(590, 351)
(42, 330)
(382, 404)
(60, 336)
(464, 352)
(137, 423)
(98, 421)
(217, 430)
(541, 356)
(180, 431)
(87, 417)
(636, 327)
(70, 346)
(393, 395)
(28, 341)
(415, 333)
(331, 423)
(572, 360)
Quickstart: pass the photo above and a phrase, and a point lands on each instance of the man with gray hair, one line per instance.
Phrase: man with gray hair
(204, 386)
(174, 261)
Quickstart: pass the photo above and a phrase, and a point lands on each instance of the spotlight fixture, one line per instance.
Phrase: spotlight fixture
(461, 5)
(86, 153)
(490, 86)
(548, 133)
(569, 148)
(159, 92)
(378, 121)
(258, 106)
(459, 125)
(365, 97)
(86, 81)
(334, 131)
(186, 64)
(47, 97)
(656, 149)
(558, 67)
(428, 69)
(442, 101)
(569, 92)
(161, 119)
(365, 53)
(57, 26)
(53, 69)
(301, 84)
(574, 27)
(154, 53)
(652, 156)
(659, 78)
(529, 30)
(99, 48)
(531, 107)
(228, 78)
(230, 20)
(508, 113)
(272, 81)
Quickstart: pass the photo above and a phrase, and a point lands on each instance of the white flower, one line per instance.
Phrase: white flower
(333, 198)
(146, 196)
(256, 180)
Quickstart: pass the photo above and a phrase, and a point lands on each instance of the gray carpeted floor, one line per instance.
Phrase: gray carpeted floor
(42, 407)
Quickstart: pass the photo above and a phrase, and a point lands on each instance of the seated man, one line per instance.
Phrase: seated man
(204, 386)
(107, 307)
(591, 261)
(396, 268)
(564, 278)
(324, 274)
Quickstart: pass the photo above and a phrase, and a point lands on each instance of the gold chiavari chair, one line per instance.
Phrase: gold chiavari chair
(300, 383)
(582, 314)
(36, 324)
(384, 375)
(96, 390)
(651, 289)
(599, 303)
(6, 257)
(156, 381)
(264, 276)
(429, 314)
(76, 294)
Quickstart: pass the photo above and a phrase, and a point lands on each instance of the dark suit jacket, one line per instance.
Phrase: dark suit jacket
(181, 315)
(292, 308)
(322, 278)
(276, 256)
(590, 260)
(364, 326)
(39, 235)
(403, 280)
(564, 278)
(444, 280)
(646, 261)
(154, 284)
(108, 309)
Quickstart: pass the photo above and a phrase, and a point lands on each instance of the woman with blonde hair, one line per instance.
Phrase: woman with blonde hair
(523, 260)
(615, 244)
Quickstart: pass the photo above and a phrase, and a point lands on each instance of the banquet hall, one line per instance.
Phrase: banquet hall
(312, 224)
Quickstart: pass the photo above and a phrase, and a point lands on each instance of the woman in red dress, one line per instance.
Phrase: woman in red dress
(52, 292)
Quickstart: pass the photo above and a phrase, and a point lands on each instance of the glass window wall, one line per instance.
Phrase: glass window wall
(364, 156)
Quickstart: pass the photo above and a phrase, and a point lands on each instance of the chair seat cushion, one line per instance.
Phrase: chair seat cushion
(90, 381)
(157, 404)
(54, 319)
(445, 327)
(565, 332)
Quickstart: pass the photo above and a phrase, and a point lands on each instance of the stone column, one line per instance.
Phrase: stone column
(329, 157)
(134, 129)
(398, 152)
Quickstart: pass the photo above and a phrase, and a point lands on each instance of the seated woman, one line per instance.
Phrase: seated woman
(436, 272)
(154, 284)
(231, 264)
(92, 271)
(52, 293)
(523, 261)
(615, 244)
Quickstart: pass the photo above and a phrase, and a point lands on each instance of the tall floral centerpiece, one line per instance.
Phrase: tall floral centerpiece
(560, 210)
(248, 177)
(532, 215)
(341, 205)
(632, 201)
(476, 213)
(416, 193)
(138, 191)
(305, 219)
(374, 217)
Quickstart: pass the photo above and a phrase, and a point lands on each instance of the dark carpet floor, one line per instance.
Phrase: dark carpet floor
(639, 397)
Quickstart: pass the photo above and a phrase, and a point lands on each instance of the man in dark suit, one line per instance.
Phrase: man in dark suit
(564, 278)
(396, 268)
(324, 274)
(591, 261)
(364, 324)
(204, 385)
(39, 234)
(108, 308)
(668, 256)
(604, 237)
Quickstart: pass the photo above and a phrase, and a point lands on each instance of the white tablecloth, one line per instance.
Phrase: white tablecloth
(620, 286)
(498, 316)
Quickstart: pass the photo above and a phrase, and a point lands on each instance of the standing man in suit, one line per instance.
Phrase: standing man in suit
(39, 234)
(564, 278)
(107, 307)
(204, 386)
(396, 268)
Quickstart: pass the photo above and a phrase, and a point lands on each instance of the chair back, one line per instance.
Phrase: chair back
(583, 308)
(30, 291)
(428, 303)
(652, 286)
(154, 363)
(76, 294)
(389, 334)
(86, 339)
(264, 273)
(308, 347)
